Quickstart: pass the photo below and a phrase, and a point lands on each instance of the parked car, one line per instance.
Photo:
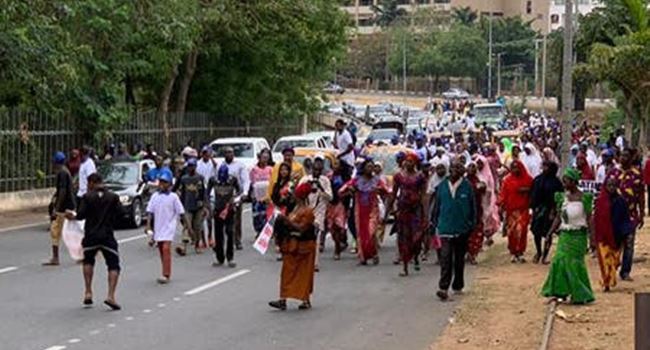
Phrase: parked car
(331, 88)
(390, 123)
(246, 148)
(126, 179)
(491, 114)
(297, 141)
(328, 136)
(382, 135)
(455, 94)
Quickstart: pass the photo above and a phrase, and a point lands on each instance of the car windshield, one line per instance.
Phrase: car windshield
(383, 134)
(283, 144)
(327, 164)
(242, 149)
(490, 115)
(388, 160)
(121, 174)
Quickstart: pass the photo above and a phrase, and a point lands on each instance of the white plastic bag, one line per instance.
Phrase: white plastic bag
(73, 233)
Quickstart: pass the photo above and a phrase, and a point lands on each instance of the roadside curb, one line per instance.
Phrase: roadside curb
(548, 325)
(20, 227)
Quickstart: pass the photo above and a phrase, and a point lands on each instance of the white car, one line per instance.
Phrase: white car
(297, 141)
(328, 136)
(246, 148)
(455, 93)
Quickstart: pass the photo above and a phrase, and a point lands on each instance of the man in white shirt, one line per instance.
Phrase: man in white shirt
(344, 144)
(319, 199)
(86, 169)
(239, 171)
(207, 167)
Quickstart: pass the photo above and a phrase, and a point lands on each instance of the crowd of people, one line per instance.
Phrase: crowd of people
(450, 195)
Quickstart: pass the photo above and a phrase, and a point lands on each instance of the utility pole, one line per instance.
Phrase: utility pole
(544, 74)
(489, 87)
(567, 82)
(404, 63)
(499, 73)
(536, 92)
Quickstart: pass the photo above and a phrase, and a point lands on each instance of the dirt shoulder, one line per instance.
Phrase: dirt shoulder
(504, 310)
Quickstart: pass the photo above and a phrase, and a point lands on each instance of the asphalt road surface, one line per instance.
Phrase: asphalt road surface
(354, 307)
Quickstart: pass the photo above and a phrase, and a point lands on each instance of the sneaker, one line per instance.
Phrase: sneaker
(217, 264)
(443, 295)
(232, 264)
(162, 280)
(238, 246)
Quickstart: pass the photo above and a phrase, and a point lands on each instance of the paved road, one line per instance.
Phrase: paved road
(355, 307)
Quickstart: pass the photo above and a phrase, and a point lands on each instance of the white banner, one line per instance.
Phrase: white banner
(264, 239)
(589, 186)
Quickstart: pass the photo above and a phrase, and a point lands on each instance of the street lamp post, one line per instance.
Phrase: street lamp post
(499, 73)
(489, 87)
(567, 82)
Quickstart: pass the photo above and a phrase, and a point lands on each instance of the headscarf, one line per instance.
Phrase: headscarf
(510, 198)
(222, 173)
(586, 173)
(413, 157)
(507, 145)
(572, 174)
(550, 155)
(302, 191)
(532, 161)
(491, 221)
(612, 221)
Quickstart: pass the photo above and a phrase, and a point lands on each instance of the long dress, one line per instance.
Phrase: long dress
(490, 215)
(516, 204)
(408, 218)
(568, 276)
(298, 254)
(611, 226)
(366, 213)
(259, 184)
(475, 241)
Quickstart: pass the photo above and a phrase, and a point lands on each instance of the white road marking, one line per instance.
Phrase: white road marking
(129, 239)
(8, 269)
(146, 311)
(129, 318)
(74, 340)
(177, 299)
(111, 325)
(215, 283)
(20, 227)
(94, 332)
(56, 347)
(161, 305)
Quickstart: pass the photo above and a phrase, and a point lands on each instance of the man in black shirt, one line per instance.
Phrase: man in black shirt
(226, 188)
(191, 188)
(100, 208)
(62, 200)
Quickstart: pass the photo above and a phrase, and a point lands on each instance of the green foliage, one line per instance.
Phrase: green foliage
(387, 13)
(102, 59)
(514, 38)
(464, 15)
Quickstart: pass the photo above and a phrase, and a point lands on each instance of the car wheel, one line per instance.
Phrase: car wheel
(137, 213)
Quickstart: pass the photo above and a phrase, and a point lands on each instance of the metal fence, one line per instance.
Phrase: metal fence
(29, 139)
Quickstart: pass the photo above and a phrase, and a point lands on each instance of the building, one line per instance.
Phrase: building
(536, 10)
(557, 10)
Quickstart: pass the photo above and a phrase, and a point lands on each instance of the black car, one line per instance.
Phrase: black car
(126, 179)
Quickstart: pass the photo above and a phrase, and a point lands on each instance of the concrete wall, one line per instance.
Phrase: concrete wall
(25, 200)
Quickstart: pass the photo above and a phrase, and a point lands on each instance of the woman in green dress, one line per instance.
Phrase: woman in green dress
(568, 276)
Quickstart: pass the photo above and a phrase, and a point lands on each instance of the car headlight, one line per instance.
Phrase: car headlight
(125, 200)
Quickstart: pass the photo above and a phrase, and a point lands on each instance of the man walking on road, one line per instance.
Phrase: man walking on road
(454, 216)
(163, 211)
(226, 188)
(238, 170)
(86, 169)
(100, 208)
(63, 200)
(207, 167)
(192, 195)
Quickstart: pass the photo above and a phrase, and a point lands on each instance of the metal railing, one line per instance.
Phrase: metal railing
(29, 139)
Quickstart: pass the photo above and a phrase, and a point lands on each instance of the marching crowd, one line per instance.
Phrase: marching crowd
(449, 196)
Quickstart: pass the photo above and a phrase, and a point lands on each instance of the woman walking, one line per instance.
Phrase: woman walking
(409, 190)
(514, 201)
(296, 235)
(542, 202)
(282, 197)
(612, 225)
(336, 215)
(568, 276)
(260, 176)
(475, 241)
(490, 218)
(367, 190)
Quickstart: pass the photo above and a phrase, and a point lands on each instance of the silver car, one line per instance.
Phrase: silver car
(455, 94)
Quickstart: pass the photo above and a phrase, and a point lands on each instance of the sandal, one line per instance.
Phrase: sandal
(416, 267)
(403, 274)
(306, 305)
(88, 302)
(278, 304)
(113, 305)
(162, 280)
(180, 251)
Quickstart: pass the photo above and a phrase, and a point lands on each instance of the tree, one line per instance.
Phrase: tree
(387, 13)
(464, 15)
(464, 49)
